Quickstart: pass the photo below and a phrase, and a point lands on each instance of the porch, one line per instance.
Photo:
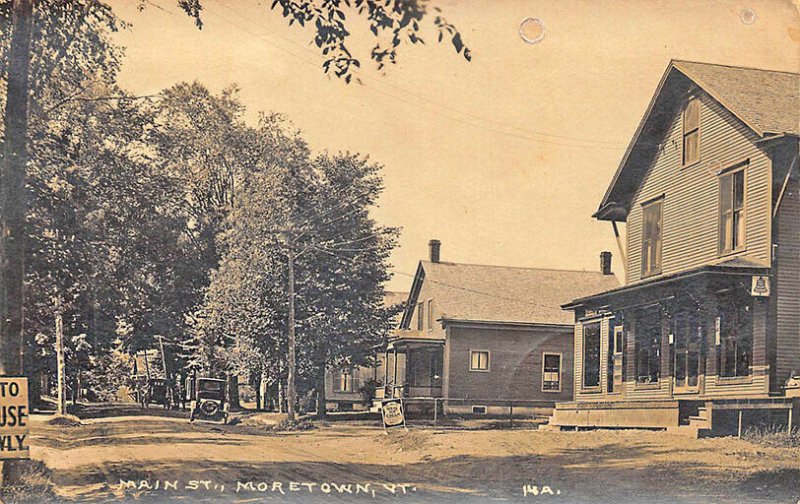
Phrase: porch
(413, 367)
(694, 337)
(686, 417)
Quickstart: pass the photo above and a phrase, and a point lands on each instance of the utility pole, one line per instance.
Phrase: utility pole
(163, 358)
(292, 344)
(61, 407)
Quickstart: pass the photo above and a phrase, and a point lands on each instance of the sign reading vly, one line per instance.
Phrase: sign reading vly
(392, 413)
(14, 416)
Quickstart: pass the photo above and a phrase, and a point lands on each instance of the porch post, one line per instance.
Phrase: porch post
(385, 367)
(666, 348)
(630, 347)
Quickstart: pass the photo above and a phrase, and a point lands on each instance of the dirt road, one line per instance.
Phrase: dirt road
(156, 459)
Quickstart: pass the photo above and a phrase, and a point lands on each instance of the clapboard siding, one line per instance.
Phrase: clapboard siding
(691, 194)
(788, 284)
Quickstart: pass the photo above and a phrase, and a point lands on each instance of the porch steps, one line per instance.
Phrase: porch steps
(548, 427)
(698, 425)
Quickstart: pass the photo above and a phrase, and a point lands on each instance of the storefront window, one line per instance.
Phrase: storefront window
(648, 347)
(735, 340)
(591, 354)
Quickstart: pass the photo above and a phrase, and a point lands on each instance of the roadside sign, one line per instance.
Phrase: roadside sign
(14, 415)
(392, 413)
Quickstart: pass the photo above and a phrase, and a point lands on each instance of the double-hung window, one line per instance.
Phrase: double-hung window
(731, 211)
(344, 383)
(691, 132)
(651, 237)
(479, 360)
(551, 372)
(420, 316)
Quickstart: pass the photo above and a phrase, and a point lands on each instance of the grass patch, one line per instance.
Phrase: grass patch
(288, 426)
(31, 483)
(775, 436)
(65, 421)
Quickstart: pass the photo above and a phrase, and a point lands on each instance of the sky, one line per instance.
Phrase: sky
(504, 158)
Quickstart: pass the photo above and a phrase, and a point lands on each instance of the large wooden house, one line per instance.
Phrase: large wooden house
(485, 339)
(705, 334)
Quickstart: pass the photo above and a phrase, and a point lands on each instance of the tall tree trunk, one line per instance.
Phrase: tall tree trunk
(257, 388)
(233, 392)
(292, 392)
(12, 192)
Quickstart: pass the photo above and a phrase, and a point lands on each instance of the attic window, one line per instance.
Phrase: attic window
(691, 132)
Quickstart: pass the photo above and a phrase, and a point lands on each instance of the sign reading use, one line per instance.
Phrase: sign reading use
(14, 415)
(392, 413)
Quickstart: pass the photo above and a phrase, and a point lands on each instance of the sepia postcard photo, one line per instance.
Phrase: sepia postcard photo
(400, 251)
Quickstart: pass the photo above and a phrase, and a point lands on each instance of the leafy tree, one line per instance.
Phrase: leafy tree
(316, 210)
(51, 52)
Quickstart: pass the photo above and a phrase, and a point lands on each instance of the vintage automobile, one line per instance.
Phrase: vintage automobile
(209, 401)
(159, 392)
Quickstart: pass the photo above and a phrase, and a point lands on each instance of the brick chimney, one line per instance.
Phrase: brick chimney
(435, 248)
(605, 262)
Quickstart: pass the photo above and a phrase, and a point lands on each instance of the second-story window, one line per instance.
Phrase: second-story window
(420, 316)
(430, 314)
(691, 132)
(731, 211)
(651, 237)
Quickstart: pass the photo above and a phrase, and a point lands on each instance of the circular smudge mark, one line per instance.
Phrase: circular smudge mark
(747, 15)
(532, 30)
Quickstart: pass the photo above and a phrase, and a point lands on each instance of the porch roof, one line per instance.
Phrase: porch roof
(730, 269)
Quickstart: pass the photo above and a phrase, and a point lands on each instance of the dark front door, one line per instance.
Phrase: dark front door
(688, 333)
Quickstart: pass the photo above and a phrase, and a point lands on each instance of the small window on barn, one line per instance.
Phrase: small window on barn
(551, 372)
(691, 132)
(591, 355)
(731, 212)
(651, 237)
(420, 316)
(479, 360)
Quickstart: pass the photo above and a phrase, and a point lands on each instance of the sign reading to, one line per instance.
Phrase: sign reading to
(392, 413)
(14, 415)
(760, 286)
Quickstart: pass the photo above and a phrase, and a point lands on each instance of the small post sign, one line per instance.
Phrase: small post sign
(392, 413)
(14, 416)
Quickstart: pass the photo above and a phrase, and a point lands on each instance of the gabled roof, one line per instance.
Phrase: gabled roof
(766, 101)
(500, 294)
(392, 298)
